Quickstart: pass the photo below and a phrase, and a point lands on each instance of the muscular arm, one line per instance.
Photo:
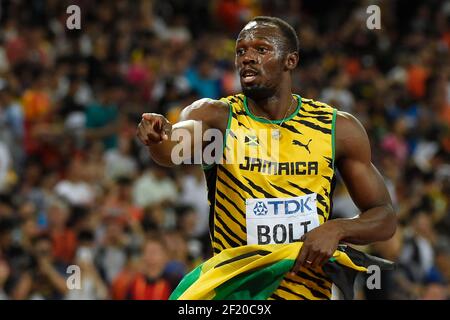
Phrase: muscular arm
(161, 137)
(377, 221)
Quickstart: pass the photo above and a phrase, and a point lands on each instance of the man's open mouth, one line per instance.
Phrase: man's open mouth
(248, 75)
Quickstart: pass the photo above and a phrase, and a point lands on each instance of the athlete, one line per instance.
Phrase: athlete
(266, 200)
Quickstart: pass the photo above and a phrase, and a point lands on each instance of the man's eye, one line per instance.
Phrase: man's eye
(239, 52)
(262, 49)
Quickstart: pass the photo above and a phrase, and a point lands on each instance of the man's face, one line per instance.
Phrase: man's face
(260, 59)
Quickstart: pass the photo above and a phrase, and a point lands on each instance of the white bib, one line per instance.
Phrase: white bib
(280, 220)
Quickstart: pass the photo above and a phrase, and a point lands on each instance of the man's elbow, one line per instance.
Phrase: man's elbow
(389, 223)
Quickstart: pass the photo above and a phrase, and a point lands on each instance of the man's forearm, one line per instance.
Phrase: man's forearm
(162, 153)
(184, 143)
(376, 224)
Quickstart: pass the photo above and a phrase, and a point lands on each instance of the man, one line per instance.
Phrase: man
(263, 200)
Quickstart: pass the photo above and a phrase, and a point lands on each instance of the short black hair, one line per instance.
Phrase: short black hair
(292, 42)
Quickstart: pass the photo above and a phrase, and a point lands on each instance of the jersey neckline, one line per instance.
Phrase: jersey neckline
(278, 121)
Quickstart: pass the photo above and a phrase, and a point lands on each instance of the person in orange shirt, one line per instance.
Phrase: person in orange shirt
(150, 283)
(416, 81)
(121, 283)
(64, 240)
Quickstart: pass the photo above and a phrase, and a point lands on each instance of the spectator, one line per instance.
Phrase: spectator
(153, 187)
(75, 189)
(45, 278)
(111, 256)
(92, 285)
(150, 284)
(64, 242)
(102, 116)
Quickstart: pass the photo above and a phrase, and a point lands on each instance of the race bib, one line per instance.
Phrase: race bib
(280, 220)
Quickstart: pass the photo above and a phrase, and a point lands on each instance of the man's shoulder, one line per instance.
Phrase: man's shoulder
(214, 112)
(207, 104)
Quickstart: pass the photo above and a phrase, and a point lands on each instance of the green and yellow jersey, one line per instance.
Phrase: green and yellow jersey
(274, 184)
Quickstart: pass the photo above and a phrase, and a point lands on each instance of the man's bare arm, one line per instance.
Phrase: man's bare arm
(157, 133)
(377, 221)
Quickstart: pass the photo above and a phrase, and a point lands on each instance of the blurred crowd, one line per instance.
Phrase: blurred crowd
(77, 188)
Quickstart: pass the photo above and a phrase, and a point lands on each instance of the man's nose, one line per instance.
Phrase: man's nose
(249, 58)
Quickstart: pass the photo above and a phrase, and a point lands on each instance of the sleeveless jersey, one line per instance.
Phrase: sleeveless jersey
(274, 183)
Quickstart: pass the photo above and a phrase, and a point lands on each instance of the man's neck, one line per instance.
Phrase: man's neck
(274, 107)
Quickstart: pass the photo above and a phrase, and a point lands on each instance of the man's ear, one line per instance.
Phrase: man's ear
(292, 60)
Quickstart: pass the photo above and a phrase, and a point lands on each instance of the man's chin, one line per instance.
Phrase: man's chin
(257, 92)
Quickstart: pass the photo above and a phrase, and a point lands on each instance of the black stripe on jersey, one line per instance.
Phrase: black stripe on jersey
(220, 243)
(222, 207)
(240, 113)
(304, 190)
(230, 187)
(326, 192)
(258, 188)
(243, 125)
(230, 242)
(233, 99)
(324, 120)
(320, 213)
(292, 292)
(237, 182)
(290, 128)
(244, 256)
(230, 232)
(330, 162)
(276, 297)
(318, 282)
(239, 123)
(239, 97)
(223, 196)
(327, 178)
(283, 190)
(315, 104)
(319, 276)
(322, 201)
(216, 250)
(314, 126)
(314, 292)
(316, 112)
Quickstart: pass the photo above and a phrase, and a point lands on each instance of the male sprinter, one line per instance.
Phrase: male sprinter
(261, 201)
